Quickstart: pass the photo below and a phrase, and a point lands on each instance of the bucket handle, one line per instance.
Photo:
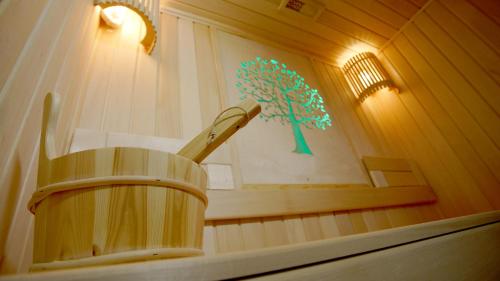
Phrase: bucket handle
(51, 106)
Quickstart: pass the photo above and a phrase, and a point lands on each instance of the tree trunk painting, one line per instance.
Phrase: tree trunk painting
(284, 97)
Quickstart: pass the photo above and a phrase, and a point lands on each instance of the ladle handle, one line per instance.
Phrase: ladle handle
(225, 125)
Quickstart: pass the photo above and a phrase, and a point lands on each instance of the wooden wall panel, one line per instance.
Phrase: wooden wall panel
(445, 117)
(446, 114)
(47, 46)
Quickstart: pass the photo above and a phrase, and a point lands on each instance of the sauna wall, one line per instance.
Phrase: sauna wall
(446, 63)
(181, 87)
(109, 84)
(44, 46)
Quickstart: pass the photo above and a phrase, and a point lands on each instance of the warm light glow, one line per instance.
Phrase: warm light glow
(114, 16)
(123, 14)
(365, 75)
(353, 50)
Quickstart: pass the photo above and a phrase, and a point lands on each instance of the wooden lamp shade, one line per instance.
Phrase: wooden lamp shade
(365, 75)
(148, 10)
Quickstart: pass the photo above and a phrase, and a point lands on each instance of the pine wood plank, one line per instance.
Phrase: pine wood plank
(422, 142)
(275, 232)
(328, 225)
(234, 19)
(252, 263)
(312, 227)
(358, 222)
(476, 20)
(188, 82)
(21, 101)
(253, 233)
(168, 120)
(473, 73)
(335, 21)
(483, 54)
(365, 19)
(380, 11)
(260, 203)
(477, 155)
(295, 229)
(24, 15)
(229, 236)
(120, 87)
(344, 223)
(443, 137)
(144, 94)
(209, 239)
(405, 8)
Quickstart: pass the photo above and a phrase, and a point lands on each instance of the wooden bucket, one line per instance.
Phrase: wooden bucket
(117, 205)
(114, 205)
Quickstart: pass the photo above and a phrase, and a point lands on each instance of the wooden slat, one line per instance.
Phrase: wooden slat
(24, 16)
(476, 48)
(265, 203)
(312, 227)
(358, 222)
(333, 20)
(460, 98)
(405, 8)
(380, 11)
(275, 232)
(229, 236)
(254, 263)
(295, 229)
(236, 19)
(253, 233)
(482, 25)
(328, 225)
(471, 71)
(167, 106)
(189, 110)
(119, 88)
(386, 164)
(400, 178)
(441, 138)
(370, 21)
(209, 239)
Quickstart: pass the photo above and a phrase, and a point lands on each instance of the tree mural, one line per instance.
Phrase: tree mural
(284, 97)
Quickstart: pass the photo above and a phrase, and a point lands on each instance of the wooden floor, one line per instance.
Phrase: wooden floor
(462, 248)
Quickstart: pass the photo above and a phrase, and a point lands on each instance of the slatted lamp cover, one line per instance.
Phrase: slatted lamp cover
(365, 75)
(148, 10)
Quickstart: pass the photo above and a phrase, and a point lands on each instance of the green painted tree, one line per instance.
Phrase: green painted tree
(284, 97)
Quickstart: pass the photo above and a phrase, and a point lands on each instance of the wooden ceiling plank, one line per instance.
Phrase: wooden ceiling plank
(331, 33)
(490, 8)
(361, 17)
(296, 20)
(379, 11)
(334, 21)
(322, 49)
(419, 3)
(404, 8)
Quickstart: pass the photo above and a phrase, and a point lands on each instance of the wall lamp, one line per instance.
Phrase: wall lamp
(365, 75)
(113, 15)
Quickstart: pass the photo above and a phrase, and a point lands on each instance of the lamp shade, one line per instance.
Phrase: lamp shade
(148, 10)
(365, 75)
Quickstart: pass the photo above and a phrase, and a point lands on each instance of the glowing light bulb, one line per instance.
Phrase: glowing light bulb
(114, 16)
(366, 77)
